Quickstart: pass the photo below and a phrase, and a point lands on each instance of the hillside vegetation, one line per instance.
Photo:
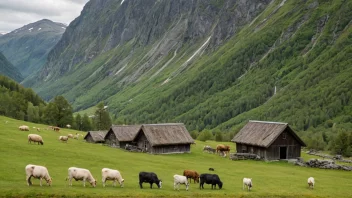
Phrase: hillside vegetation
(7, 69)
(270, 179)
(27, 47)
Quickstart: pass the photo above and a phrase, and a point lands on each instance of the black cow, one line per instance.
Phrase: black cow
(212, 179)
(149, 177)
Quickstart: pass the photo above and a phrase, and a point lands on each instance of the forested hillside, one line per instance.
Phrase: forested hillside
(7, 69)
(280, 60)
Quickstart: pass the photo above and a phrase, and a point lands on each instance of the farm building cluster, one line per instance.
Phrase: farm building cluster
(150, 138)
(263, 140)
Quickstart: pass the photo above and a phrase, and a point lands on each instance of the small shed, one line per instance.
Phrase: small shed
(95, 136)
(120, 135)
(269, 140)
(164, 138)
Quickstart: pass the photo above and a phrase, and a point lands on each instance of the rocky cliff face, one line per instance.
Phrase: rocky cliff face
(165, 26)
(27, 47)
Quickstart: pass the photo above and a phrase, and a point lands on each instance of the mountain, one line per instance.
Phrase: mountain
(7, 69)
(212, 64)
(27, 47)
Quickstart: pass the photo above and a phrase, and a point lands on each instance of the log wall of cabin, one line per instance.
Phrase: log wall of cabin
(285, 139)
(111, 140)
(164, 149)
(89, 138)
(143, 143)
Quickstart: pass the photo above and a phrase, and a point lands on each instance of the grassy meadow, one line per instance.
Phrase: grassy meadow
(270, 179)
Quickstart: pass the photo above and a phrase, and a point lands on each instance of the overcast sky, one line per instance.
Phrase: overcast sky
(17, 13)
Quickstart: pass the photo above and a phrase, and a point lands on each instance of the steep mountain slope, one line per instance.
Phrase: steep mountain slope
(7, 69)
(209, 64)
(28, 46)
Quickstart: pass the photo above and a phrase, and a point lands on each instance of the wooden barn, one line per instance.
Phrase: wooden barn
(269, 140)
(118, 136)
(95, 136)
(164, 138)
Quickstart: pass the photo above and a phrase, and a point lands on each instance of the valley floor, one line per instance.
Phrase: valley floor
(270, 179)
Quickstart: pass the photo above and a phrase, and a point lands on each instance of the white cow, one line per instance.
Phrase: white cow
(38, 172)
(179, 179)
(111, 174)
(311, 182)
(80, 174)
(247, 182)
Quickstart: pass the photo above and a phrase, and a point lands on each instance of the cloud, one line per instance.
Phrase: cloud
(17, 13)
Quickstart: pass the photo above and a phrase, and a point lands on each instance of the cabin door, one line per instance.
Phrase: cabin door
(283, 152)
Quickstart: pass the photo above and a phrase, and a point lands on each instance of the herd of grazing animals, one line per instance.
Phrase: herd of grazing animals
(81, 174)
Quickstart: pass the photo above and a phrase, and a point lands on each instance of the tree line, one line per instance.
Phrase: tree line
(24, 104)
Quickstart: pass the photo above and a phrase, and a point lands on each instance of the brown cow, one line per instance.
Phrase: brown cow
(223, 148)
(191, 174)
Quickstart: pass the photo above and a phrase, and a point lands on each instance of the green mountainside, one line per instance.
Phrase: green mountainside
(7, 69)
(27, 47)
(210, 64)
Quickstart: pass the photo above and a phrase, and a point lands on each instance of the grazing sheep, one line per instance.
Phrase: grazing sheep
(211, 169)
(24, 128)
(35, 138)
(70, 135)
(247, 182)
(68, 126)
(311, 182)
(57, 129)
(38, 129)
(39, 172)
(63, 138)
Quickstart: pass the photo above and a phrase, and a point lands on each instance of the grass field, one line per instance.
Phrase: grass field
(270, 179)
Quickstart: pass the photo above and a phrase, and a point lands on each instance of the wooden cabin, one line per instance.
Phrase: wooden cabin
(164, 138)
(269, 140)
(95, 136)
(120, 135)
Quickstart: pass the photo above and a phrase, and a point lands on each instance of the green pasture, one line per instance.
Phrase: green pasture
(270, 179)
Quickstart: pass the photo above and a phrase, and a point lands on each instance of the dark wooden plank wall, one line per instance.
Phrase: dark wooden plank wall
(89, 139)
(111, 140)
(179, 148)
(141, 141)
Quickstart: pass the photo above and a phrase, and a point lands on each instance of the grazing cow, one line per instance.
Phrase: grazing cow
(149, 177)
(35, 138)
(63, 138)
(223, 148)
(208, 149)
(179, 179)
(247, 182)
(211, 169)
(57, 129)
(39, 172)
(191, 174)
(212, 179)
(311, 182)
(70, 135)
(80, 174)
(110, 174)
(24, 128)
